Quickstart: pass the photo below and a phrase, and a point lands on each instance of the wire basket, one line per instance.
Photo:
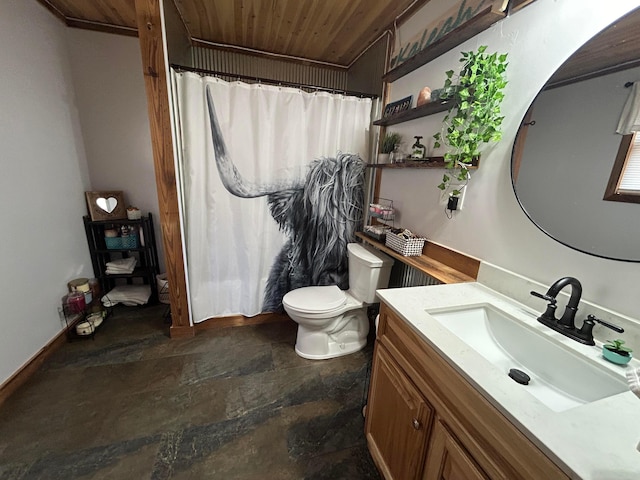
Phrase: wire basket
(407, 247)
(377, 232)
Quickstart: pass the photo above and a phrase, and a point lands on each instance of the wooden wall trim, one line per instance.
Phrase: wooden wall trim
(241, 321)
(437, 261)
(20, 377)
(100, 27)
(459, 261)
(148, 18)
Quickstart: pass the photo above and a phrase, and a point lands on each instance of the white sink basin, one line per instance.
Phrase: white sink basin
(560, 377)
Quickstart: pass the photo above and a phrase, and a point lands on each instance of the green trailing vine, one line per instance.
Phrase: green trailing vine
(473, 119)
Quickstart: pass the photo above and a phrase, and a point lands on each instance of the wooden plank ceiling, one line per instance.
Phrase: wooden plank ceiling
(615, 48)
(332, 31)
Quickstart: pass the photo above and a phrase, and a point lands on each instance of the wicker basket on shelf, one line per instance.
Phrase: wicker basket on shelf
(407, 247)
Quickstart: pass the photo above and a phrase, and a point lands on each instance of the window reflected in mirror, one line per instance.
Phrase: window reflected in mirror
(624, 183)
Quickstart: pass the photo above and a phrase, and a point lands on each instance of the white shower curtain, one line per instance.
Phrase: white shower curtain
(272, 134)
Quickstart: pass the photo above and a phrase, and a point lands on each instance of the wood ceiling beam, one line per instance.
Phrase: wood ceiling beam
(101, 27)
(53, 9)
(148, 18)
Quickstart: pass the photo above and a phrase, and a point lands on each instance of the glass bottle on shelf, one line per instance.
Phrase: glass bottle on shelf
(396, 155)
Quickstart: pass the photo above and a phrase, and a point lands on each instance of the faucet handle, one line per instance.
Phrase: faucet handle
(613, 327)
(548, 298)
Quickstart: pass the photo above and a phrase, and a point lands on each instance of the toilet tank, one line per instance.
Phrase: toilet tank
(369, 269)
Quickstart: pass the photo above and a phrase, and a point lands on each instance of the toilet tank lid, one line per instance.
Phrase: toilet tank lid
(315, 299)
(369, 255)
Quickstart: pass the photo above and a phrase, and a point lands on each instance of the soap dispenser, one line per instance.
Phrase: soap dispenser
(418, 151)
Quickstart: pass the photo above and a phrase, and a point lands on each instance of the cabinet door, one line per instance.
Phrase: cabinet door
(448, 460)
(398, 420)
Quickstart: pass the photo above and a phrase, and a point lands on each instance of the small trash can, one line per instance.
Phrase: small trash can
(163, 288)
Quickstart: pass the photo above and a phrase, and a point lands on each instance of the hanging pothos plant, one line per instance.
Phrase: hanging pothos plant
(474, 117)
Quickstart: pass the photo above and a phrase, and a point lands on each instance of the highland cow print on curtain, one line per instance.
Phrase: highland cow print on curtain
(272, 185)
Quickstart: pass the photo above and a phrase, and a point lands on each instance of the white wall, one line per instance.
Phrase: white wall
(42, 181)
(112, 104)
(491, 225)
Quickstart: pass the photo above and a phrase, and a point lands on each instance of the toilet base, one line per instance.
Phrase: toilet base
(347, 335)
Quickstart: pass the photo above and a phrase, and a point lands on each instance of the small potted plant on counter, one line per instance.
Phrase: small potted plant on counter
(389, 142)
(616, 353)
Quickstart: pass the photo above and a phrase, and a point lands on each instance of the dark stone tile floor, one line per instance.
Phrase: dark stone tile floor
(233, 403)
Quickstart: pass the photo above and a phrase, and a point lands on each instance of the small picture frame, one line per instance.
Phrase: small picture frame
(395, 108)
(106, 205)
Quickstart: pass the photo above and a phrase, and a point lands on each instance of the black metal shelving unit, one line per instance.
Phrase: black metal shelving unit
(145, 252)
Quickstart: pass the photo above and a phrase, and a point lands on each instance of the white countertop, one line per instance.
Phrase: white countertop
(594, 441)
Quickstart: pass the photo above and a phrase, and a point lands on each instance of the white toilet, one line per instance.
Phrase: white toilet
(333, 322)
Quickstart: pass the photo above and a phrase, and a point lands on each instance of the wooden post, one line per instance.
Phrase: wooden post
(155, 79)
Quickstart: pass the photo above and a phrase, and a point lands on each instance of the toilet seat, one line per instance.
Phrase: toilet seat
(315, 300)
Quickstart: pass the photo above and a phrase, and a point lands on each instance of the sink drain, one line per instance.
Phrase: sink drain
(519, 376)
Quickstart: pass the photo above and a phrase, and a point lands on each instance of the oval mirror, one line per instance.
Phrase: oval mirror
(567, 144)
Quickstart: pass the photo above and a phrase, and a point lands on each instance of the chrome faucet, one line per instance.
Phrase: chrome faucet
(566, 324)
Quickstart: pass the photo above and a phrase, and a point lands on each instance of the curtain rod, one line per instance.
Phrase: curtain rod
(182, 68)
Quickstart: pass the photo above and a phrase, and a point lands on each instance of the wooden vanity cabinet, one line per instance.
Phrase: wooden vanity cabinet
(402, 421)
(448, 460)
(461, 436)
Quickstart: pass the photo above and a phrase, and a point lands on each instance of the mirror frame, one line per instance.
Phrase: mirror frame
(575, 68)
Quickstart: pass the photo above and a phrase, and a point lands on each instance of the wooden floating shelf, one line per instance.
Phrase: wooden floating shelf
(418, 112)
(431, 162)
(464, 32)
(438, 262)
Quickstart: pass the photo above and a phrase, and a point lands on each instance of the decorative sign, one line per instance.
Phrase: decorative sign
(462, 12)
(394, 108)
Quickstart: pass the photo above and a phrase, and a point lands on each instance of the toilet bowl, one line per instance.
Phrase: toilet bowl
(333, 322)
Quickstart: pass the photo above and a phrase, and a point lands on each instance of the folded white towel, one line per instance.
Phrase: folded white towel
(127, 295)
(121, 269)
(122, 263)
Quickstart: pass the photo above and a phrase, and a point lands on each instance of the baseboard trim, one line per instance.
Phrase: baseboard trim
(15, 381)
(181, 331)
(240, 320)
(19, 378)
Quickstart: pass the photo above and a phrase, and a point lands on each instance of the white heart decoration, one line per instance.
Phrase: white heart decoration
(107, 204)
